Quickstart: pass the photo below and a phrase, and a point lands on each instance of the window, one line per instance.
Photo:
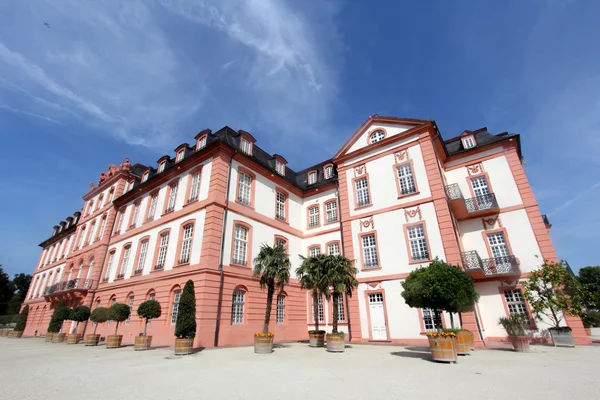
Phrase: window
(240, 245)
(280, 206)
(111, 195)
(469, 142)
(333, 249)
(89, 274)
(312, 178)
(314, 251)
(328, 171)
(320, 312)
(126, 252)
(369, 246)
(179, 156)
(172, 197)
(175, 308)
(331, 212)
(131, 299)
(362, 192)
(279, 241)
(90, 207)
(136, 211)
(340, 308)
(129, 186)
(237, 307)
(100, 201)
(376, 136)
(245, 146)
(161, 167)
(313, 217)
(81, 238)
(201, 143)
(120, 221)
(186, 246)
(90, 238)
(418, 243)
(153, 203)
(432, 319)
(109, 267)
(142, 258)
(280, 167)
(480, 186)
(145, 177)
(515, 302)
(406, 179)
(112, 303)
(195, 189)
(498, 245)
(244, 188)
(162, 250)
(280, 309)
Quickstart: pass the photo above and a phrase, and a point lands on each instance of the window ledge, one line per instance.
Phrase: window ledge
(244, 204)
(181, 265)
(365, 206)
(314, 227)
(363, 269)
(118, 279)
(419, 262)
(333, 222)
(157, 270)
(403, 196)
(189, 203)
(232, 264)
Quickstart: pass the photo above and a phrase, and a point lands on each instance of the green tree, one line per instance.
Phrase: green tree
(341, 276)
(60, 314)
(7, 290)
(148, 310)
(440, 286)
(185, 327)
(21, 284)
(552, 291)
(22, 319)
(80, 314)
(98, 316)
(272, 267)
(589, 278)
(312, 274)
(118, 312)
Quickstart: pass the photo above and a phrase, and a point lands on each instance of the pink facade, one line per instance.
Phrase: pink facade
(144, 231)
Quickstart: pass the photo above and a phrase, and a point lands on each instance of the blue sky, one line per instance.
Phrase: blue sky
(114, 79)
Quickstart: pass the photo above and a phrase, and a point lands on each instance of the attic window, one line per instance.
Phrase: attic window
(201, 143)
(328, 171)
(280, 167)
(245, 146)
(376, 136)
(469, 142)
(179, 156)
(161, 167)
(312, 178)
(145, 176)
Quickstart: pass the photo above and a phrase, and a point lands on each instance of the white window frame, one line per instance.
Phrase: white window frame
(280, 167)
(498, 245)
(280, 200)
(341, 311)
(126, 254)
(417, 240)
(201, 143)
(333, 249)
(469, 142)
(280, 314)
(145, 176)
(240, 245)
(314, 216)
(173, 196)
(363, 197)
(432, 319)
(109, 267)
(328, 172)
(515, 302)
(136, 212)
(314, 251)
(195, 189)
(143, 252)
(320, 309)
(161, 167)
(175, 306)
(312, 178)
(186, 244)
(120, 222)
(369, 248)
(246, 146)
(153, 204)
(237, 307)
(331, 214)
(406, 179)
(131, 300)
(162, 250)
(376, 136)
(179, 156)
(244, 188)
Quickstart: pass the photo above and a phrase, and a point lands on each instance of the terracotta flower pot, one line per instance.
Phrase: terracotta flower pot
(92, 339)
(316, 339)
(113, 341)
(336, 343)
(142, 343)
(263, 345)
(520, 343)
(442, 349)
(183, 346)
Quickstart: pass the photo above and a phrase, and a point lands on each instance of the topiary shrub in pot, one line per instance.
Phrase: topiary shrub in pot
(340, 276)
(118, 312)
(79, 314)
(272, 268)
(311, 275)
(516, 326)
(185, 325)
(148, 310)
(98, 316)
(60, 314)
(552, 293)
(21, 320)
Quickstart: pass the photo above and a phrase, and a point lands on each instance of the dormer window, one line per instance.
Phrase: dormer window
(469, 142)
(312, 178)
(245, 146)
(201, 143)
(145, 176)
(129, 186)
(179, 156)
(280, 167)
(328, 172)
(161, 167)
(376, 136)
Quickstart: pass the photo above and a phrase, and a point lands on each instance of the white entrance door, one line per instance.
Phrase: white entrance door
(378, 331)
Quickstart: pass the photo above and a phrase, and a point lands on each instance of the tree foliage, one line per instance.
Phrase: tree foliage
(312, 274)
(185, 327)
(149, 309)
(440, 286)
(341, 276)
(272, 268)
(80, 314)
(118, 312)
(589, 278)
(21, 284)
(6, 290)
(552, 291)
(22, 319)
(60, 314)
(98, 316)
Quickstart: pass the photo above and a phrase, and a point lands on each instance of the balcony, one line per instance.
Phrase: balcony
(489, 267)
(73, 285)
(138, 271)
(473, 207)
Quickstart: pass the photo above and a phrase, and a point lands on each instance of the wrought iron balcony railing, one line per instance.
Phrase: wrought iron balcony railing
(481, 203)
(192, 199)
(158, 266)
(453, 192)
(184, 260)
(73, 284)
(490, 266)
(138, 271)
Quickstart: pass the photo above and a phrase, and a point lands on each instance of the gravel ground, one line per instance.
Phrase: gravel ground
(32, 369)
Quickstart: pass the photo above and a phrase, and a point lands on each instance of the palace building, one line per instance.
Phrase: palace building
(393, 198)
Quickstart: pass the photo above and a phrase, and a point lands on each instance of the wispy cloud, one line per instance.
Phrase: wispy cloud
(29, 114)
(580, 196)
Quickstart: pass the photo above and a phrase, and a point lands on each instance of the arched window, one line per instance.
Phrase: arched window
(237, 307)
(130, 304)
(109, 265)
(175, 306)
(377, 136)
(89, 274)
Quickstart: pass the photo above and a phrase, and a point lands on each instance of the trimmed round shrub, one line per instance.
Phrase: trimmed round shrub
(185, 327)
(99, 315)
(80, 314)
(149, 309)
(118, 312)
(60, 314)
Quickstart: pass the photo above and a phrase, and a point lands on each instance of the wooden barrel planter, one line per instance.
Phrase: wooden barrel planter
(142, 343)
(263, 344)
(183, 346)
(520, 343)
(316, 339)
(92, 339)
(58, 337)
(2, 332)
(5, 332)
(17, 334)
(113, 341)
(336, 343)
(442, 349)
(49, 337)
(464, 342)
(73, 338)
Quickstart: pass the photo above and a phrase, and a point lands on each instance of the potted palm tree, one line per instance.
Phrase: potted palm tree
(185, 326)
(60, 314)
(148, 310)
(340, 277)
(79, 314)
(98, 316)
(272, 268)
(516, 326)
(21, 322)
(311, 274)
(118, 312)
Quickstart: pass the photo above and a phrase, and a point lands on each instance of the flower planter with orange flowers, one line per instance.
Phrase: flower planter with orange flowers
(263, 343)
(442, 346)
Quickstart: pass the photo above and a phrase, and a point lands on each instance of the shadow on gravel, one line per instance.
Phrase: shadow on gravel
(414, 352)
